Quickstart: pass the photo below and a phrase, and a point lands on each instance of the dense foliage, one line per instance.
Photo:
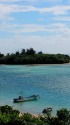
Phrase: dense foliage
(30, 56)
(9, 116)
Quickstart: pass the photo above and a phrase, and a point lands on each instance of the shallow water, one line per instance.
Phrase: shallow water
(51, 82)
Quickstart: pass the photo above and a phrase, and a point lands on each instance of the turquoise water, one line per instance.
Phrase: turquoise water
(51, 82)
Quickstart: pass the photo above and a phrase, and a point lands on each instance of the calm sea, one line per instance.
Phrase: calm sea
(51, 82)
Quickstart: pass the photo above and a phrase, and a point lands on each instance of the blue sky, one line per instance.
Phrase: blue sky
(41, 24)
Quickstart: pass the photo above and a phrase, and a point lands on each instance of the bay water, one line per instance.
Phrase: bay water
(50, 82)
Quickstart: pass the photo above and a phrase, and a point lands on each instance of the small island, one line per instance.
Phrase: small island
(30, 56)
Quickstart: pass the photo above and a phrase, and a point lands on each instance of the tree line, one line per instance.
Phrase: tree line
(9, 116)
(30, 56)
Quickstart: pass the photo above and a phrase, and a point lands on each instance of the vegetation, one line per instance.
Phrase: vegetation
(9, 116)
(30, 56)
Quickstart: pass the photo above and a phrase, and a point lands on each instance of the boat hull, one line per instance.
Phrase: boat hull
(31, 98)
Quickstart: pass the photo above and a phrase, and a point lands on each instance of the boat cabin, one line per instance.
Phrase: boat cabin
(20, 97)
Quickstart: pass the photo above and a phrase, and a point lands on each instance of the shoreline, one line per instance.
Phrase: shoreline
(33, 115)
(33, 64)
(46, 64)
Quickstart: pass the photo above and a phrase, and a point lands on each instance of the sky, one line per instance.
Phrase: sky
(40, 24)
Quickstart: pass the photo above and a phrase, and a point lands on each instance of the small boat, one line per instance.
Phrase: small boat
(49, 109)
(24, 99)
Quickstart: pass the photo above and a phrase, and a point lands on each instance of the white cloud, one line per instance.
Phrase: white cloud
(7, 27)
(58, 10)
(29, 28)
(30, 1)
(61, 28)
(12, 8)
(62, 18)
(53, 44)
(8, 0)
(7, 9)
(17, 0)
(48, 44)
(58, 40)
(56, 28)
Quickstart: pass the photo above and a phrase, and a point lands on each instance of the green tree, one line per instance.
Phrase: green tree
(30, 51)
(63, 116)
(1, 55)
(23, 52)
(40, 52)
(17, 53)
